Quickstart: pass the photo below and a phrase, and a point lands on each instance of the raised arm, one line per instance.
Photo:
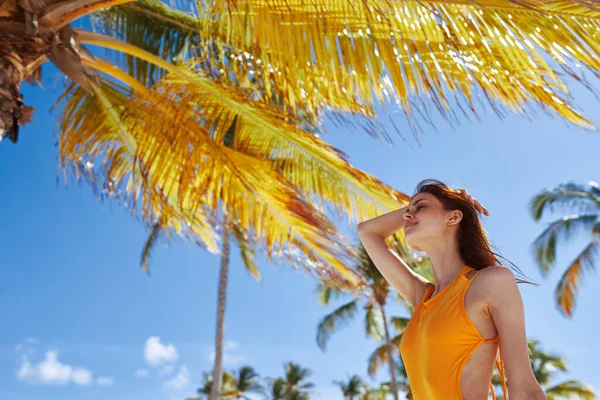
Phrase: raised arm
(372, 234)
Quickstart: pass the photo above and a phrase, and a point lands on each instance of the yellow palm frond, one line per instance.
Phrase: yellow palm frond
(398, 49)
(184, 175)
(160, 29)
(381, 355)
(567, 287)
(89, 133)
(318, 169)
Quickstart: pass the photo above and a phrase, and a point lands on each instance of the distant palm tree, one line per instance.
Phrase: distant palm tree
(582, 201)
(235, 385)
(204, 391)
(276, 391)
(353, 388)
(375, 299)
(246, 380)
(293, 385)
(544, 365)
(378, 393)
(403, 383)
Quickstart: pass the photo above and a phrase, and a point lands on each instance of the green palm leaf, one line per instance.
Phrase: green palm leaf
(560, 230)
(567, 198)
(325, 292)
(374, 322)
(333, 321)
(570, 197)
(247, 251)
(380, 356)
(571, 389)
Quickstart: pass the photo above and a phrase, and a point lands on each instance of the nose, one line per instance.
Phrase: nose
(407, 216)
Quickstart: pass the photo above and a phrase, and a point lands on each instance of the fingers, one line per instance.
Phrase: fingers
(478, 206)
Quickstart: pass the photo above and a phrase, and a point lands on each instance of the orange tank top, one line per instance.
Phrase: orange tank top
(439, 340)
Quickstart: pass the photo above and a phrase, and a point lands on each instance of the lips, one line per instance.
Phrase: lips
(408, 225)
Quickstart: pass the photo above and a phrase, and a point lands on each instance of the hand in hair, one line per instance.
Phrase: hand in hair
(474, 202)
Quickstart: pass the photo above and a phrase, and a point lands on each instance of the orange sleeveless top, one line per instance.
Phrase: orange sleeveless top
(439, 340)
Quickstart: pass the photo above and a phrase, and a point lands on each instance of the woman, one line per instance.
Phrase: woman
(452, 340)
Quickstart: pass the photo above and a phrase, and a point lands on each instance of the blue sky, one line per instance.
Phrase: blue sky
(81, 319)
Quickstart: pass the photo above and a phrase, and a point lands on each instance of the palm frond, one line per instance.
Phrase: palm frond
(247, 251)
(571, 388)
(380, 356)
(399, 50)
(91, 139)
(191, 182)
(155, 27)
(568, 285)
(325, 292)
(335, 320)
(399, 323)
(569, 198)
(171, 33)
(263, 132)
(374, 322)
(561, 230)
(544, 364)
(150, 243)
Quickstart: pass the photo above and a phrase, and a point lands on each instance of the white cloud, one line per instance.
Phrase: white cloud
(141, 372)
(82, 376)
(180, 380)
(229, 347)
(105, 381)
(51, 371)
(157, 354)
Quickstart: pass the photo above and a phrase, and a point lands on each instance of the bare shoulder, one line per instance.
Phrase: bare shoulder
(496, 281)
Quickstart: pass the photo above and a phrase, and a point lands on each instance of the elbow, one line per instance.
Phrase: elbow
(366, 231)
(536, 393)
(363, 228)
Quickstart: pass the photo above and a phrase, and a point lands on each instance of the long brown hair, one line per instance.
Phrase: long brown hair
(473, 245)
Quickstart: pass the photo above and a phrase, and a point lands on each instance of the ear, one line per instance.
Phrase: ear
(455, 217)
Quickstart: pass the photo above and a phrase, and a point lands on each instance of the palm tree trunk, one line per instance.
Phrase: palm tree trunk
(12, 110)
(215, 392)
(390, 351)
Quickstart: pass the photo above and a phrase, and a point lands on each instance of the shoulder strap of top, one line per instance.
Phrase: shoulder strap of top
(472, 277)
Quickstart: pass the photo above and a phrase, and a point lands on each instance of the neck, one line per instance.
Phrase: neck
(446, 262)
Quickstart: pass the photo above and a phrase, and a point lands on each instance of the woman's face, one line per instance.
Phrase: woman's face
(425, 221)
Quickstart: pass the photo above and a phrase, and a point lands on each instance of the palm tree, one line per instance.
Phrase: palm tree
(544, 366)
(376, 323)
(235, 384)
(276, 389)
(582, 202)
(293, 385)
(373, 301)
(380, 392)
(353, 388)
(380, 357)
(227, 384)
